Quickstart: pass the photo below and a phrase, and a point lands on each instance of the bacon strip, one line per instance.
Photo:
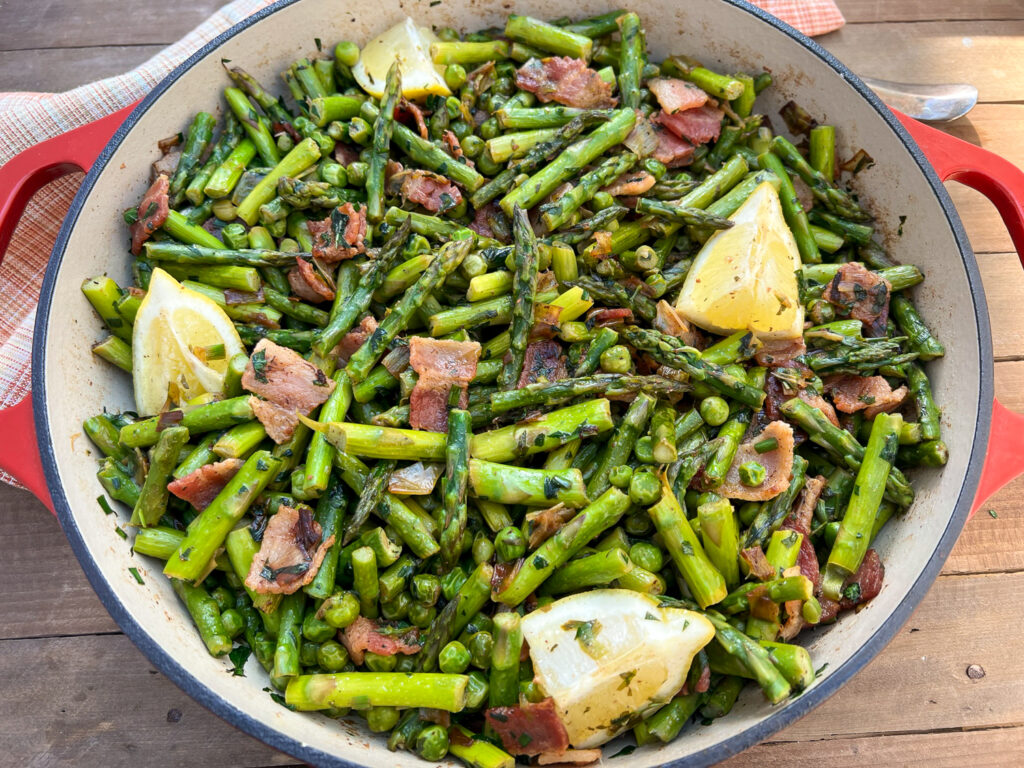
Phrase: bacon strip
(201, 486)
(631, 183)
(340, 236)
(291, 553)
(778, 463)
(288, 383)
(868, 578)
(431, 190)
(441, 364)
(543, 362)
(151, 213)
(365, 634)
(567, 81)
(871, 394)
(529, 729)
(697, 126)
(675, 95)
(307, 284)
(354, 339)
(863, 295)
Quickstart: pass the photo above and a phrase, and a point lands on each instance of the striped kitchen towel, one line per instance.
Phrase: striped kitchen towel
(28, 118)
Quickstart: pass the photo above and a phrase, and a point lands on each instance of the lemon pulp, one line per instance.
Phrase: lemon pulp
(173, 326)
(745, 277)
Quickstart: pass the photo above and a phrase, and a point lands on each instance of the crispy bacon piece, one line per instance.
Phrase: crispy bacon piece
(544, 523)
(344, 154)
(757, 563)
(676, 95)
(631, 183)
(481, 223)
(431, 190)
(819, 402)
(672, 323)
(405, 109)
(568, 81)
(451, 142)
(307, 284)
(365, 634)
(780, 353)
(290, 553)
(166, 165)
(863, 295)
(152, 213)
(441, 365)
(671, 150)
(340, 236)
(543, 362)
(570, 757)
(697, 126)
(201, 486)
(778, 463)
(354, 339)
(868, 580)
(284, 379)
(529, 729)
(871, 394)
(605, 316)
(503, 574)
(799, 520)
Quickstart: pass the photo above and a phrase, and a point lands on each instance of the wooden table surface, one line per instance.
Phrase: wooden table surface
(76, 692)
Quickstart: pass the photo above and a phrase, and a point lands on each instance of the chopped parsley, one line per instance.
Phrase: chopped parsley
(239, 656)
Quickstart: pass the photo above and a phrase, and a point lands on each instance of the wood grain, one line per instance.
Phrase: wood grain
(984, 53)
(40, 69)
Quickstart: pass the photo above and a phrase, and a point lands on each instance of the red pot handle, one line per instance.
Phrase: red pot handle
(20, 178)
(1003, 183)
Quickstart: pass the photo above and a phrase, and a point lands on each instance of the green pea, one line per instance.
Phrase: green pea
(377, 662)
(531, 691)
(472, 146)
(644, 488)
(454, 658)
(285, 143)
(510, 544)
(752, 473)
(487, 166)
(331, 656)
(346, 53)
(647, 556)
(461, 129)
(232, 621)
(452, 582)
(223, 598)
(489, 128)
(477, 689)
(714, 410)
(481, 622)
(448, 35)
(480, 647)
(620, 476)
(405, 664)
(638, 524)
(397, 608)
(747, 512)
(426, 588)
(342, 609)
(432, 743)
(421, 615)
(334, 174)
(307, 653)
(616, 359)
(483, 548)
(316, 629)
(380, 719)
(644, 450)
(654, 167)
(357, 174)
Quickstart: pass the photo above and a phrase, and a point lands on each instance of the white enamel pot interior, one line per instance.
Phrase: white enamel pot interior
(71, 384)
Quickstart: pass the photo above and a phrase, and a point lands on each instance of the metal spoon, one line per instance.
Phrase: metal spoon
(933, 103)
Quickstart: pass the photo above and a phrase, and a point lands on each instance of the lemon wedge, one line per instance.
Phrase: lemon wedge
(171, 324)
(744, 278)
(411, 47)
(610, 657)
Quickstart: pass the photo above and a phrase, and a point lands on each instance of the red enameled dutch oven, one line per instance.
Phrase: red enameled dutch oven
(38, 443)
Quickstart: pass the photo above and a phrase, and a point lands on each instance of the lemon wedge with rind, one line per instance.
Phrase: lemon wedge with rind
(410, 46)
(172, 322)
(609, 657)
(745, 277)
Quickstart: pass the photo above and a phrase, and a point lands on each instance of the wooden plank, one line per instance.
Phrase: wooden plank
(919, 683)
(868, 11)
(61, 24)
(113, 706)
(58, 69)
(992, 748)
(96, 700)
(45, 591)
(1003, 278)
(980, 52)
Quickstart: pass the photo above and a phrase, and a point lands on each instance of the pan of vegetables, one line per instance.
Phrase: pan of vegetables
(528, 384)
